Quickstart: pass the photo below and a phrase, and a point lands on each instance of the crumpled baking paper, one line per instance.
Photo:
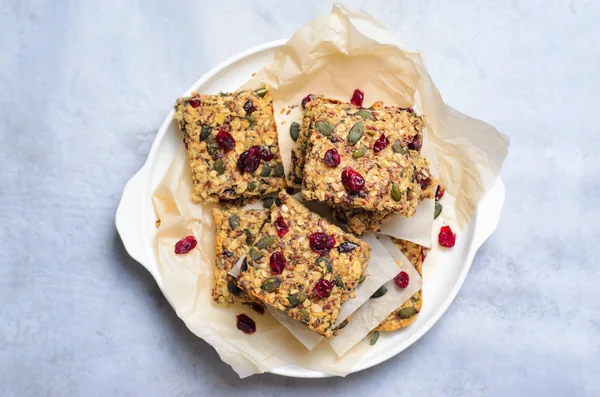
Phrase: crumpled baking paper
(331, 55)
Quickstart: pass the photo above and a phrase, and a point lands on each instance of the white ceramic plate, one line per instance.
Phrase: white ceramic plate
(444, 271)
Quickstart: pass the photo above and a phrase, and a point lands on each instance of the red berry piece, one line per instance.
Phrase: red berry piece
(347, 246)
(380, 144)
(323, 288)
(446, 238)
(245, 324)
(225, 140)
(257, 307)
(422, 180)
(401, 280)
(357, 97)
(185, 245)
(332, 158)
(249, 160)
(281, 226)
(439, 193)
(265, 154)
(249, 106)
(352, 180)
(416, 144)
(194, 102)
(321, 243)
(306, 100)
(277, 262)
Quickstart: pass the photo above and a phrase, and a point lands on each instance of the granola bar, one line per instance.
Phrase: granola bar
(232, 144)
(407, 313)
(236, 230)
(303, 265)
(364, 158)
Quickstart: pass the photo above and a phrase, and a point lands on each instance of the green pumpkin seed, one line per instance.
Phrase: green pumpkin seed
(297, 180)
(219, 167)
(249, 237)
(233, 288)
(324, 127)
(356, 132)
(324, 263)
(211, 145)
(265, 242)
(374, 338)
(438, 210)
(304, 317)
(261, 92)
(379, 293)
(278, 202)
(396, 193)
(342, 324)
(407, 312)
(268, 201)
(339, 282)
(234, 221)
(256, 255)
(295, 131)
(206, 130)
(361, 279)
(297, 298)
(358, 153)
(365, 114)
(252, 186)
(271, 284)
(278, 170)
(398, 148)
(265, 171)
(251, 120)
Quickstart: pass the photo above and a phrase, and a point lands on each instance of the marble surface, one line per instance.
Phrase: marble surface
(83, 89)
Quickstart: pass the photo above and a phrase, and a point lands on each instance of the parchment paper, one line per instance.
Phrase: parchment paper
(331, 55)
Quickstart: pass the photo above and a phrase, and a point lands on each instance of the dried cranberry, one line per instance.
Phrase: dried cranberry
(347, 246)
(321, 243)
(194, 102)
(306, 100)
(185, 245)
(249, 106)
(422, 180)
(357, 97)
(409, 110)
(257, 307)
(439, 193)
(323, 288)
(281, 226)
(416, 144)
(249, 160)
(332, 158)
(265, 154)
(225, 140)
(401, 280)
(446, 238)
(380, 144)
(352, 180)
(277, 262)
(245, 324)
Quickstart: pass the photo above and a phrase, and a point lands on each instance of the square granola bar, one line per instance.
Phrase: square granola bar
(232, 144)
(364, 158)
(236, 231)
(303, 265)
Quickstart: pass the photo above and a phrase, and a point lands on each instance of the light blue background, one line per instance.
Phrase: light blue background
(84, 86)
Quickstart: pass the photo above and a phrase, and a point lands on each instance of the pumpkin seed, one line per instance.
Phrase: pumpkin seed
(324, 263)
(438, 210)
(297, 298)
(251, 120)
(249, 237)
(234, 221)
(358, 153)
(268, 201)
(295, 131)
(304, 317)
(379, 293)
(361, 279)
(256, 255)
(365, 114)
(265, 171)
(211, 145)
(407, 312)
(396, 193)
(219, 167)
(356, 132)
(278, 170)
(278, 202)
(339, 282)
(261, 92)
(342, 324)
(265, 242)
(324, 127)
(233, 288)
(374, 338)
(271, 284)
(251, 186)
(206, 130)
(398, 148)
